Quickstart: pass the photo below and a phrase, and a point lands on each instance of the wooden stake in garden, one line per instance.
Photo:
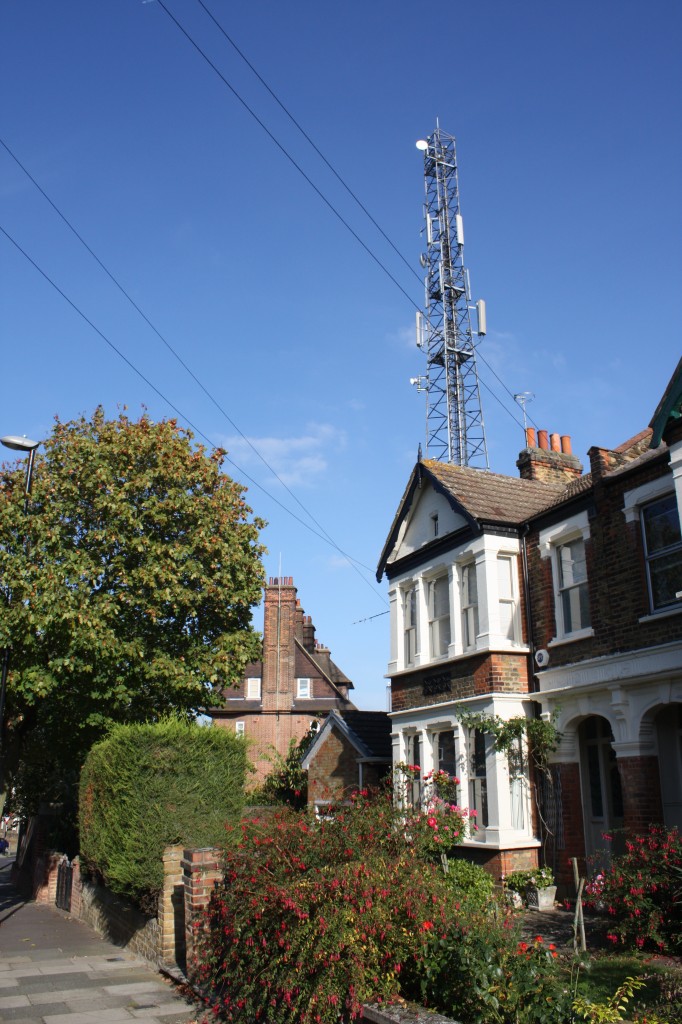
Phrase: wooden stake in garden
(578, 920)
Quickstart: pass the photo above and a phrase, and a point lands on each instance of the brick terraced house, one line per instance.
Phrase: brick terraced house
(491, 576)
(290, 689)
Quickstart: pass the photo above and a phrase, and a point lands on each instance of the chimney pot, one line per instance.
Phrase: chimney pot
(530, 437)
(566, 444)
(542, 440)
(555, 443)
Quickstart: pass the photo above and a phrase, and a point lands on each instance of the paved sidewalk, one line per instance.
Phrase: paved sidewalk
(56, 970)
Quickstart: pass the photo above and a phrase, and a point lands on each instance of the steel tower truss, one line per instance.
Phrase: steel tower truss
(454, 419)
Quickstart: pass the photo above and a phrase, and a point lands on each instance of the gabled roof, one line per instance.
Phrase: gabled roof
(482, 498)
(334, 679)
(669, 407)
(369, 732)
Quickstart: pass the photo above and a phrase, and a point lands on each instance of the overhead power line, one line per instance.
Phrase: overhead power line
(308, 139)
(177, 410)
(177, 356)
(285, 152)
(306, 177)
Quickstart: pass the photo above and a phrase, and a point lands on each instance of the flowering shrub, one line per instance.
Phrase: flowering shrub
(478, 970)
(314, 919)
(640, 892)
(437, 824)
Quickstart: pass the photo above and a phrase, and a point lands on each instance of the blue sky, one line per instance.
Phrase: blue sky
(567, 123)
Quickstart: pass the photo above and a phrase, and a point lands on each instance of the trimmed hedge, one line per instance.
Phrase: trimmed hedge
(146, 787)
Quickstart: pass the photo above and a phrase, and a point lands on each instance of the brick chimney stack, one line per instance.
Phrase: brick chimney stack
(551, 461)
(308, 638)
(279, 651)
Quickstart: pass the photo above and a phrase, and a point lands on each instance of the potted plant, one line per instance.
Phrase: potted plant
(535, 886)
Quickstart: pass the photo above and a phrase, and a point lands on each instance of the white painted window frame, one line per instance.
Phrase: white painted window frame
(635, 500)
(253, 688)
(577, 527)
(304, 688)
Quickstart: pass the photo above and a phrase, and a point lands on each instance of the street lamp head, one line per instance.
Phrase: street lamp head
(19, 444)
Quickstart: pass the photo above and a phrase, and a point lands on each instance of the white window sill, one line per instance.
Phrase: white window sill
(580, 634)
(662, 614)
(520, 843)
(460, 656)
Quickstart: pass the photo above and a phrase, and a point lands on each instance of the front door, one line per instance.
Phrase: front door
(602, 796)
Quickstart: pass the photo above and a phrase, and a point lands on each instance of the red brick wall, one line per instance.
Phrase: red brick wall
(265, 731)
(333, 773)
(500, 862)
(279, 652)
(574, 829)
(616, 576)
(468, 677)
(641, 786)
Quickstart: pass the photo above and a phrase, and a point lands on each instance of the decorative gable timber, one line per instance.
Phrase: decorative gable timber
(475, 499)
(669, 410)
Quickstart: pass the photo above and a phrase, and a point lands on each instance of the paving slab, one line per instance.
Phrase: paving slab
(57, 970)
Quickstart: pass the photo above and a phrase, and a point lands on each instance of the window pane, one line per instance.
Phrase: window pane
(439, 614)
(469, 592)
(504, 578)
(439, 592)
(469, 606)
(576, 608)
(572, 567)
(661, 524)
(666, 578)
(447, 757)
(507, 619)
(410, 619)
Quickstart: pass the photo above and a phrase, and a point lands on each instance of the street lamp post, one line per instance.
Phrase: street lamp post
(17, 444)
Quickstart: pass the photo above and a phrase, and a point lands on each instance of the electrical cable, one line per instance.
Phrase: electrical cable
(284, 151)
(254, 115)
(308, 139)
(175, 408)
(177, 356)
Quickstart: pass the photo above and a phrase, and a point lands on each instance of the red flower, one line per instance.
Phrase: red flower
(426, 926)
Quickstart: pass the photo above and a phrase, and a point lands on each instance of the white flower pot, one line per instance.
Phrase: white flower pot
(541, 899)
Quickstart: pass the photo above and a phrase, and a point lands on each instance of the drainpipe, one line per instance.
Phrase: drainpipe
(526, 598)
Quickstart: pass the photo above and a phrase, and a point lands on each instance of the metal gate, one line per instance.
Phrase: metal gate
(64, 882)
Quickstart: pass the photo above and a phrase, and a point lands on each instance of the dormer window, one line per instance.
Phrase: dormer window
(253, 688)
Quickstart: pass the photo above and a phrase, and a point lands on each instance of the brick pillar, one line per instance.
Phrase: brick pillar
(76, 888)
(171, 913)
(281, 618)
(641, 784)
(201, 869)
(573, 825)
(45, 877)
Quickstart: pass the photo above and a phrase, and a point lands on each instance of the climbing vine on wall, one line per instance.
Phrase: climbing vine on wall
(541, 734)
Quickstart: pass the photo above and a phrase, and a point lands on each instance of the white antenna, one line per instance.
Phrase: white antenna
(522, 399)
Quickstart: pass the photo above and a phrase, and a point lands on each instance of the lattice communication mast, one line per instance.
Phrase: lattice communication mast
(454, 419)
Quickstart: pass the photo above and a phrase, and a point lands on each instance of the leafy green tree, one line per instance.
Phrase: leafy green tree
(126, 589)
